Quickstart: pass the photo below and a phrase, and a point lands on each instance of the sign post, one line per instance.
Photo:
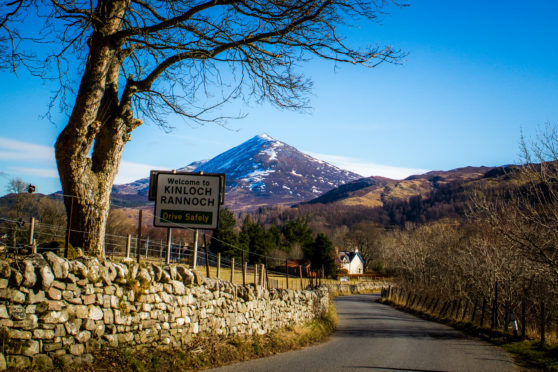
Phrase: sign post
(169, 245)
(187, 200)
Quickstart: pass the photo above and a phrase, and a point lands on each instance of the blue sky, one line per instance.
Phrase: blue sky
(476, 74)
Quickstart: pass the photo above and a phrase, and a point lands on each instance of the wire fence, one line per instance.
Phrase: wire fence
(19, 238)
(521, 317)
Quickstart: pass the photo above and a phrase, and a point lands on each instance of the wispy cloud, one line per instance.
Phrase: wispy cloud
(39, 172)
(130, 171)
(17, 150)
(367, 169)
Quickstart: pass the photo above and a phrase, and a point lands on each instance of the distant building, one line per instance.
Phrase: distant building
(294, 267)
(352, 262)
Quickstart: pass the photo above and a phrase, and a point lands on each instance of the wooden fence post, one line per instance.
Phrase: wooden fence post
(128, 245)
(422, 306)
(483, 311)
(262, 275)
(428, 305)
(507, 316)
(138, 241)
(219, 265)
(523, 319)
(147, 247)
(178, 259)
(465, 310)
(543, 321)
(474, 311)
(243, 269)
(265, 272)
(169, 245)
(445, 308)
(31, 230)
(69, 229)
(300, 273)
(435, 306)
(442, 309)
(206, 247)
(287, 272)
(457, 309)
(195, 257)
(449, 309)
(408, 299)
(232, 270)
(255, 274)
(494, 319)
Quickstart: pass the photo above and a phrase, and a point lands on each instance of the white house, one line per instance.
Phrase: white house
(352, 262)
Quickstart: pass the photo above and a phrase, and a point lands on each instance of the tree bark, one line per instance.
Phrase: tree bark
(97, 121)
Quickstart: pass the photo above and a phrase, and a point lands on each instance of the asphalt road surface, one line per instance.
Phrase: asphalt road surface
(375, 337)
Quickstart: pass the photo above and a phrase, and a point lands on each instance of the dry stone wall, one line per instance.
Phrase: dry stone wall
(355, 288)
(52, 309)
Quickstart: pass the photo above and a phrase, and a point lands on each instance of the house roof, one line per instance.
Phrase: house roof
(350, 256)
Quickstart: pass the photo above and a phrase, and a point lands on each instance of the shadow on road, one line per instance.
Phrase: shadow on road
(398, 332)
(394, 369)
(382, 323)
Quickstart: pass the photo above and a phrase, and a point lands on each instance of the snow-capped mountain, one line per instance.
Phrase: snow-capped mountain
(261, 172)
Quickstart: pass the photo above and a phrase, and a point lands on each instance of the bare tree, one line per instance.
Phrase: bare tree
(18, 187)
(365, 237)
(184, 57)
(526, 214)
(9, 37)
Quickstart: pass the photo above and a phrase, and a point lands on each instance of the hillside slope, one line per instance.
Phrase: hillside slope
(259, 172)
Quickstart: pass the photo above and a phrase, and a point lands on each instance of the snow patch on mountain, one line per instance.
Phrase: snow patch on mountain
(192, 166)
(263, 171)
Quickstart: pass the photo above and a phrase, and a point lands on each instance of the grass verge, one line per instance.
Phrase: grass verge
(528, 354)
(209, 352)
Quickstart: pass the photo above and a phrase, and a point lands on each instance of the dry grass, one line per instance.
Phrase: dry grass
(371, 199)
(278, 279)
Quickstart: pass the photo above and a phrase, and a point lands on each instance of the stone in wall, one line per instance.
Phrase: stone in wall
(52, 308)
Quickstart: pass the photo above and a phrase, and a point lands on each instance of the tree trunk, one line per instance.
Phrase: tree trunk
(89, 201)
(100, 122)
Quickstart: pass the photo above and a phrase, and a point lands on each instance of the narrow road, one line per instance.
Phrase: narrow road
(375, 337)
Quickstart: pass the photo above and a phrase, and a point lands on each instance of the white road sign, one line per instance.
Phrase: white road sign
(187, 200)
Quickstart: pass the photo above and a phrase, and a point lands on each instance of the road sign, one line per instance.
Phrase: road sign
(187, 199)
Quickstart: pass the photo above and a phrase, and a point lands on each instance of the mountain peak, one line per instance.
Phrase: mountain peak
(263, 171)
(265, 136)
